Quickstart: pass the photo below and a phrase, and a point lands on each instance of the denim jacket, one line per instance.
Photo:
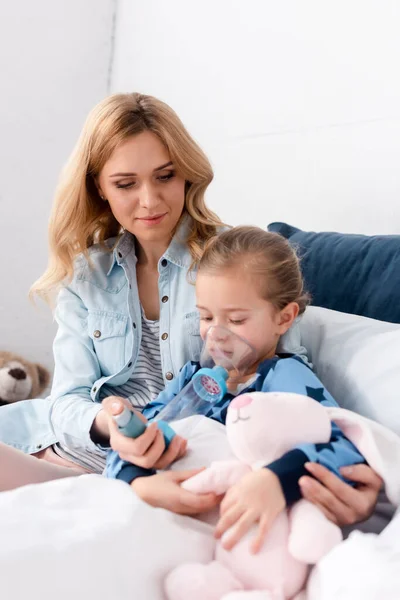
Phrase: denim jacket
(98, 339)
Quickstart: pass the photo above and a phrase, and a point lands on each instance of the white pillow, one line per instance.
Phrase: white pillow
(358, 360)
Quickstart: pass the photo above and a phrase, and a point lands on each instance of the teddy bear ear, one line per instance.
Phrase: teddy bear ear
(44, 376)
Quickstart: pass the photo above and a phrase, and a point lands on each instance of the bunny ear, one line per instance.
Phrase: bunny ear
(379, 446)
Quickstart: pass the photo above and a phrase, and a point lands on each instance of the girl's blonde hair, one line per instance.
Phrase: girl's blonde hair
(80, 218)
(267, 257)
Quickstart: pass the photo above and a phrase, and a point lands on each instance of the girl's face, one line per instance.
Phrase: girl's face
(145, 193)
(232, 300)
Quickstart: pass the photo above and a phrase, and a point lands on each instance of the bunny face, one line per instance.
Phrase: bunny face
(262, 426)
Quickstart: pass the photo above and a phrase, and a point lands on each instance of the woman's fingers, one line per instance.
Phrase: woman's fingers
(180, 476)
(134, 447)
(356, 503)
(128, 447)
(190, 503)
(176, 449)
(197, 503)
(357, 507)
(364, 475)
(317, 493)
(145, 451)
(152, 455)
(341, 490)
(114, 405)
(163, 490)
(339, 501)
(183, 448)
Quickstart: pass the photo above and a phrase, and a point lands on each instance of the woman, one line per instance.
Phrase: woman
(128, 226)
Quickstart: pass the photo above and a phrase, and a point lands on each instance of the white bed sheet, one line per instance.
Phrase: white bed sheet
(89, 537)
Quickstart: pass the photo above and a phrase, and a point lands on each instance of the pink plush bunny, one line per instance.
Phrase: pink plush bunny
(261, 427)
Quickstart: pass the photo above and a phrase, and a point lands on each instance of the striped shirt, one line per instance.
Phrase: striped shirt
(147, 381)
(143, 387)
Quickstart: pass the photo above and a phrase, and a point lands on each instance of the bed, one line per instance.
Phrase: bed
(89, 537)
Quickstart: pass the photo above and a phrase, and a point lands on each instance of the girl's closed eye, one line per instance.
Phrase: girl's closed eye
(237, 321)
(206, 318)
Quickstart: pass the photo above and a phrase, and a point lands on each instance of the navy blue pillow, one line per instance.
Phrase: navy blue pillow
(357, 274)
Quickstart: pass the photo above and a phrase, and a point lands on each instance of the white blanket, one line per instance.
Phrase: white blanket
(364, 567)
(89, 537)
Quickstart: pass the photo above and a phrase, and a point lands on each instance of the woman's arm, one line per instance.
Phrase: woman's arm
(73, 411)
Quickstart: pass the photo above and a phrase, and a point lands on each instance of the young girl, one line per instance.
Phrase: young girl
(249, 282)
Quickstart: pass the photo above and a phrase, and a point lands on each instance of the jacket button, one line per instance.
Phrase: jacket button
(96, 333)
(164, 262)
(169, 375)
(120, 254)
(129, 365)
(95, 389)
(164, 299)
(164, 336)
(39, 446)
(134, 325)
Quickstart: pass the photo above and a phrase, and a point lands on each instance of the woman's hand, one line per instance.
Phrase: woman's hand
(255, 498)
(147, 450)
(340, 502)
(163, 490)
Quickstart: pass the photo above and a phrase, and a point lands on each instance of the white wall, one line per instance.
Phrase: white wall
(54, 66)
(296, 103)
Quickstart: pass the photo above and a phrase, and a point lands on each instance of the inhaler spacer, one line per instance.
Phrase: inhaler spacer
(225, 356)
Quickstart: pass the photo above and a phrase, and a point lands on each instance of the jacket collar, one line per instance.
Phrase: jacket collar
(176, 253)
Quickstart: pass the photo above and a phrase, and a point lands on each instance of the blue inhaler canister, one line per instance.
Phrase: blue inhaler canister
(131, 426)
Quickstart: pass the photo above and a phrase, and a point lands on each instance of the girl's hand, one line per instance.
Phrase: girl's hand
(340, 502)
(163, 490)
(256, 498)
(147, 450)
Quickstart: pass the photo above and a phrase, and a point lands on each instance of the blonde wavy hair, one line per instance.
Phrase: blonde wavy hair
(80, 218)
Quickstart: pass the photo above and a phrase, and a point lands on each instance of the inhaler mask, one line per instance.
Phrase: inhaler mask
(225, 355)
